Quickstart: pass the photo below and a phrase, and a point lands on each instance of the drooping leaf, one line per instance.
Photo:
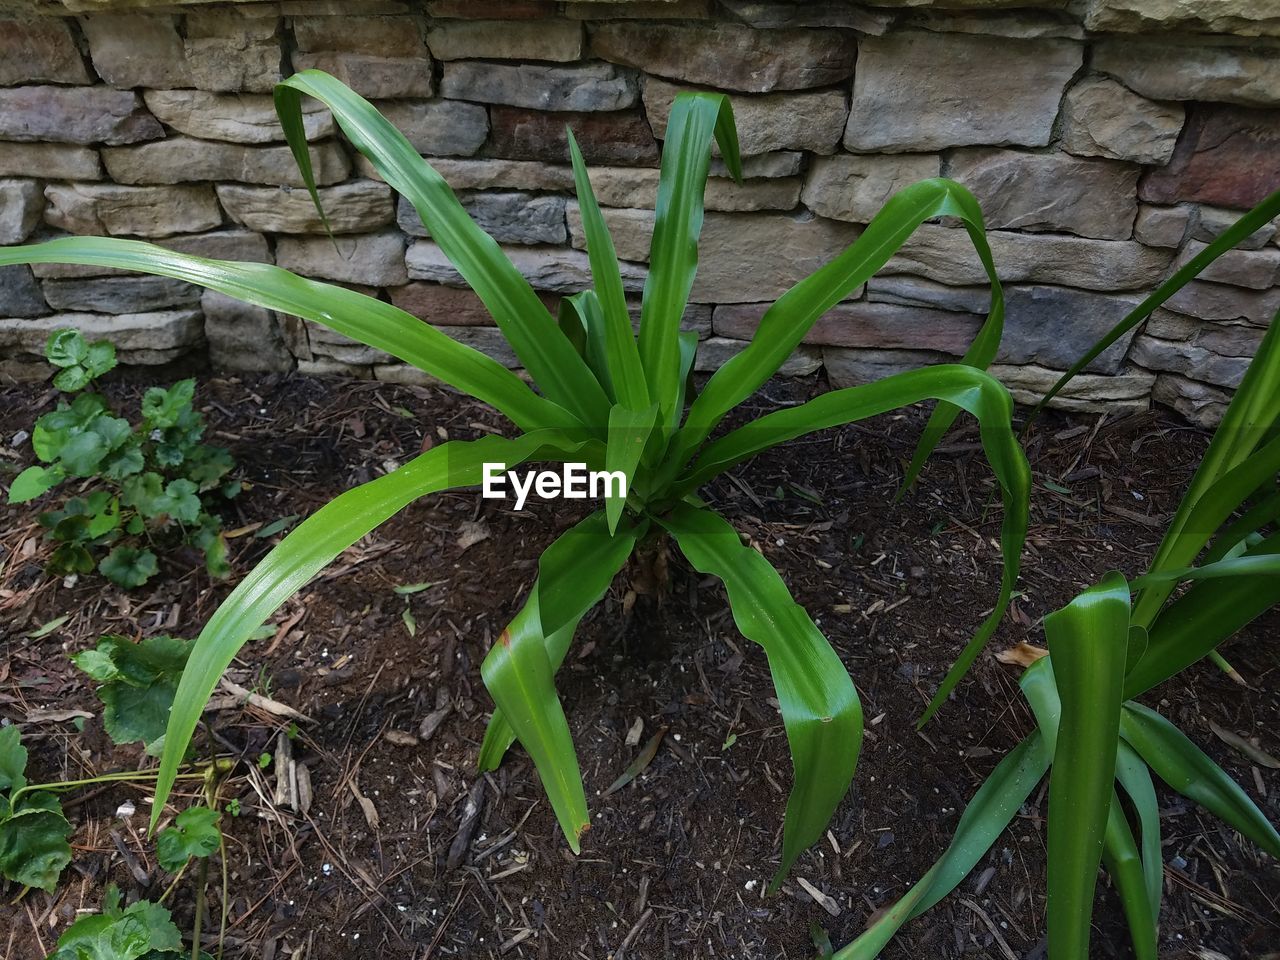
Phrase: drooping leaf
(13, 759)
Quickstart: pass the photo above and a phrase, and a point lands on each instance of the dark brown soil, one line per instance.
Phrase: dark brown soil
(675, 864)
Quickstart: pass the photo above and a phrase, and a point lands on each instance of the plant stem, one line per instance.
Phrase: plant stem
(202, 877)
(1225, 667)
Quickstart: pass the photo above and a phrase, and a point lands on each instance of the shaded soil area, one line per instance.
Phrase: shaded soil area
(401, 850)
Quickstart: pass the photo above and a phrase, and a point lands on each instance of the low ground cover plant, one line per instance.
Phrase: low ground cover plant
(150, 483)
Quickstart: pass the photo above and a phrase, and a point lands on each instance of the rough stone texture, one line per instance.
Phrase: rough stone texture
(917, 291)
(1102, 118)
(334, 368)
(1122, 393)
(1192, 69)
(1189, 360)
(55, 161)
(508, 217)
(131, 211)
(1211, 222)
(848, 367)
(640, 9)
(638, 187)
(729, 56)
(593, 86)
(1256, 269)
(864, 324)
(185, 159)
(1228, 156)
(444, 128)
(218, 245)
(454, 306)
(21, 204)
(945, 254)
(1245, 17)
(555, 40)
(138, 337)
(237, 117)
(767, 15)
(738, 253)
(385, 36)
(242, 336)
(329, 344)
(375, 259)
(351, 207)
(621, 137)
(1217, 301)
(778, 163)
(1200, 403)
(1054, 326)
(370, 75)
(132, 294)
(228, 51)
(714, 352)
(929, 91)
(486, 174)
(137, 50)
(552, 269)
(856, 187)
(1050, 192)
(42, 51)
(19, 293)
(75, 115)
(1020, 24)
(1162, 226)
(774, 121)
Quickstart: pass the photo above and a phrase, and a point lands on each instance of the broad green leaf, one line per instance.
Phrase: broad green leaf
(180, 501)
(820, 708)
(139, 681)
(573, 574)
(66, 348)
(1187, 769)
(522, 317)
(129, 567)
(142, 931)
(1087, 645)
(34, 481)
(162, 407)
(71, 379)
(33, 847)
(629, 431)
(694, 120)
(786, 322)
(518, 675)
(13, 759)
(962, 386)
(373, 322)
(310, 547)
(617, 343)
(101, 358)
(984, 819)
(194, 833)
(82, 452)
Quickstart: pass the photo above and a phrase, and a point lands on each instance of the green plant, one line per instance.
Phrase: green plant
(194, 833)
(140, 931)
(153, 478)
(137, 685)
(613, 401)
(33, 830)
(1115, 642)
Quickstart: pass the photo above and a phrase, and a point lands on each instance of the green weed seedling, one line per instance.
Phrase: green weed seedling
(152, 482)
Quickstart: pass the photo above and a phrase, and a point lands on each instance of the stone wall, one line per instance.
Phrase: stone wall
(1107, 140)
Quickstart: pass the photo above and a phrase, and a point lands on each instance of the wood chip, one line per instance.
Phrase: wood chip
(821, 899)
(471, 532)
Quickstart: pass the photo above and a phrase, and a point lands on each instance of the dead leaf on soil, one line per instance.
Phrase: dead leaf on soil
(471, 532)
(1249, 749)
(637, 766)
(56, 716)
(400, 738)
(1021, 655)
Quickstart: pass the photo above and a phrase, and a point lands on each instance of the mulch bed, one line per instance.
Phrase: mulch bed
(403, 851)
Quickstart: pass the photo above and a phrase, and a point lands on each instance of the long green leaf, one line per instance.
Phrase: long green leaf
(1120, 854)
(1251, 222)
(362, 318)
(1087, 645)
(1135, 777)
(820, 708)
(519, 676)
(311, 545)
(629, 431)
(984, 819)
(964, 387)
(1250, 418)
(621, 355)
(573, 574)
(785, 323)
(522, 317)
(1191, 626)
(1234, 536)
(694, 120)
(1187, 769)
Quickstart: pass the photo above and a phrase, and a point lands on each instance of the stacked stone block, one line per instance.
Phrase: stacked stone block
(1107, 140)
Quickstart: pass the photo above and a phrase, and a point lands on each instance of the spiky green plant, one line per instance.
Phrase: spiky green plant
(612, 399)
(1117, 641)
